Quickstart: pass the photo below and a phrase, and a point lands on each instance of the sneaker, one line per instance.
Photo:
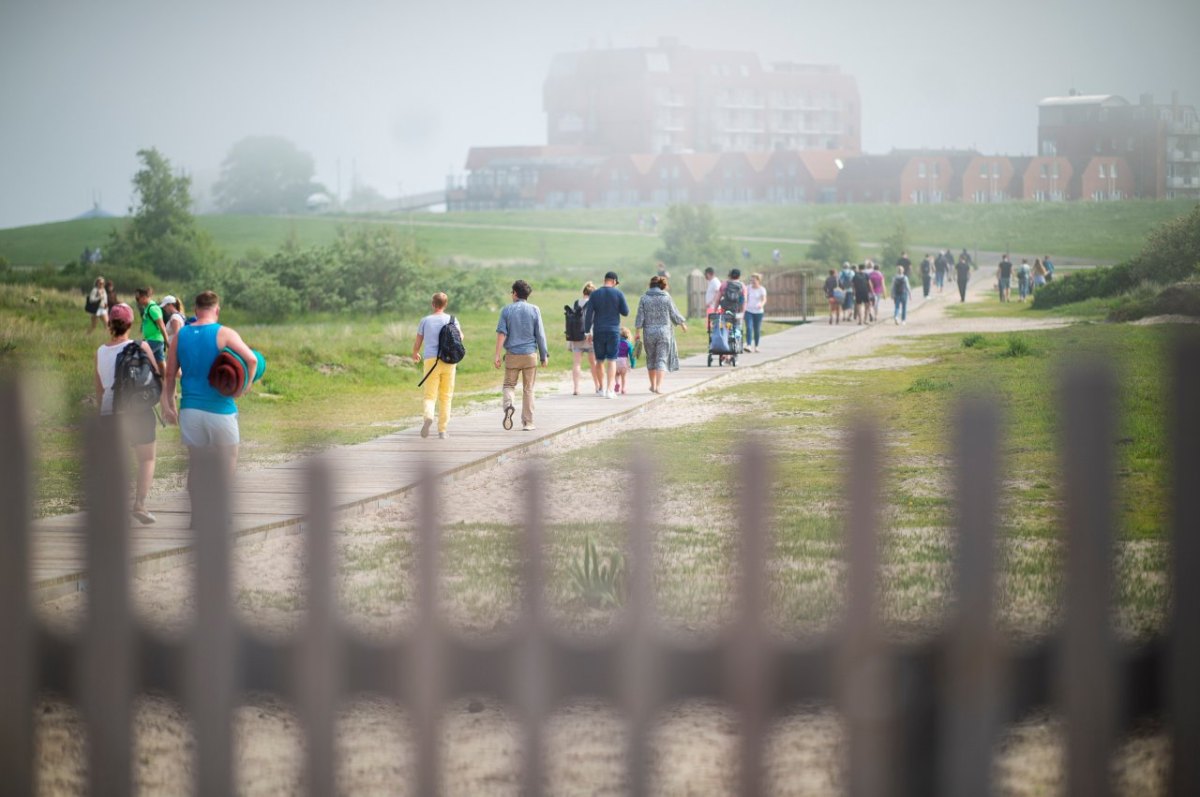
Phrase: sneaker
(600, 392)
(443, 435)
(903, 323)
(528, 427)
(144, 517)
(508, 413)
(609, 394)
(895, 320)
(425, 427)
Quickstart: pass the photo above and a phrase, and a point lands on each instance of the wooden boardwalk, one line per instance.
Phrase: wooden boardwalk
(271, 500)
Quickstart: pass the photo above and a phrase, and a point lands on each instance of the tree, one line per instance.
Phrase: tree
(690, 238)
(265, 174)
(161, 235)
(834, 244)
(895, 244)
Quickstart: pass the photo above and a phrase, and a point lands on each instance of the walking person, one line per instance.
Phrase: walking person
(172, 315)
(657, 317)
(878, 293)
(900, 293)
(154, 331)
(756, 308)
(1048, 264)
(862, 294)
(941, 266)
(904, 263)
(438, 382)
(207, 418)
(962, 273)
(712, 289)
(602, 323)
(96, 304)
(926, 275)
(578, 348)
(1023, 279)
(522, 335)
(140, 425)
(846, 283)
(1039, 275)
(834, 295)
(1005, 280)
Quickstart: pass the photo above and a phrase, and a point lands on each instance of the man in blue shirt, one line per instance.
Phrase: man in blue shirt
(602, 323)
(522, 335)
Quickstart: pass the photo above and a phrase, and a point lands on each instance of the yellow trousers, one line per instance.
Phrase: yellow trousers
(439, 387)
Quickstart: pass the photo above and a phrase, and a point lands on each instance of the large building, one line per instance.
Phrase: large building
(1157, 145)
(673, 98)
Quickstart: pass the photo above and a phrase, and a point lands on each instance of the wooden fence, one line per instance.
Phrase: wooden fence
(790, 294)
(922, 718)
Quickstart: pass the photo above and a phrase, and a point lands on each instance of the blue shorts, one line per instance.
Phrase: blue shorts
(604, 344)
(159, 349)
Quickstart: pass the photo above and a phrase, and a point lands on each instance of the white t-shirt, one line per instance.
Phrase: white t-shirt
(106, 367)
(710, 296)
(430, 329)
(755, 298)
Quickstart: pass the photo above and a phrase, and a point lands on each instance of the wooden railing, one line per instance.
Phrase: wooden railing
(922, 718)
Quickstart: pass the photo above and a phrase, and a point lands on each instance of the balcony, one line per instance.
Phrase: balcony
(1183, 128)
(1183, 182)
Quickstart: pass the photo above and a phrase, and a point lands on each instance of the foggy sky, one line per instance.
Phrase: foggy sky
(399, 90)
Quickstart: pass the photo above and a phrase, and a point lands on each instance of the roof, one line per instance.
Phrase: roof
(1106, 100)
(822, 164)
(482, 157)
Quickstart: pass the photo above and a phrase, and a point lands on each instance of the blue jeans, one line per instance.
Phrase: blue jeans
(1023, 286)
(900, 307)
(753, 328)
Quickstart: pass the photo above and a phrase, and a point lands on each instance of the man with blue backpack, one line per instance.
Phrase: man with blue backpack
(439, 343)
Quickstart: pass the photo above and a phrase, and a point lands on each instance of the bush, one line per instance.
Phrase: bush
(1017, 346)
(973, 340)
(1083, 285)
(74, 277)
(690, 238)
(1181, 299)
(833, 244)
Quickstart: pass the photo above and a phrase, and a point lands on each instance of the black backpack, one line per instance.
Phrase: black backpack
(574, 322)
(899, 288)
(733, 298)
(136, 385)
(450, 347)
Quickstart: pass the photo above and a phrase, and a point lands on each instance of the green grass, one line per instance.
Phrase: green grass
(1095, 231)
(330, 380)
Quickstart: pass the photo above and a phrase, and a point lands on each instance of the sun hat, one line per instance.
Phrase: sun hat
(168, 299)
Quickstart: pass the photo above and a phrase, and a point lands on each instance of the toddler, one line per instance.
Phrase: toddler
(624, 361)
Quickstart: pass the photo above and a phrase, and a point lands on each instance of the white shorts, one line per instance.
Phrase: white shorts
(200, 429)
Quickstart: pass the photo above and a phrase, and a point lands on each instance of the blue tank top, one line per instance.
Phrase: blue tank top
(196, 347)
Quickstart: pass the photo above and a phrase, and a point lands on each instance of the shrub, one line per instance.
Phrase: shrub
(833, 244)
(1017, 346)
(598, 583)
(1172, 250)
(1088, 284)
(973, 340)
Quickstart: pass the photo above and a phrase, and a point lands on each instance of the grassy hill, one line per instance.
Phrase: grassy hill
(1093, 231)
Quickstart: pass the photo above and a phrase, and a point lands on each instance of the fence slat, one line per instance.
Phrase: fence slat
(425, 682)
(17, 654)
(640, 681)
(969, 698)
(321, 656)
(532, 674)
(1183, 696)
(749, 672)
(863, 669)
(1088, 670)
(108, 673)
(213, 653)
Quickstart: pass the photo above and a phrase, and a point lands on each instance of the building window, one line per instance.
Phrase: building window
(1101, 171)
(1045, 171)
(921, 169)
(1112, 170)
(935, 170)
(995, 170)
(983, 170)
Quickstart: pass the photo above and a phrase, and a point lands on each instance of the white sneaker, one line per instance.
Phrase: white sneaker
(600, 392)
(609, 394)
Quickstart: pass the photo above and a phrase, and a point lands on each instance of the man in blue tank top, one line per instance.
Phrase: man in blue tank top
(206, 418)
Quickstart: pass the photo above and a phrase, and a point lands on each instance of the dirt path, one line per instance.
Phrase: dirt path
(696, 742)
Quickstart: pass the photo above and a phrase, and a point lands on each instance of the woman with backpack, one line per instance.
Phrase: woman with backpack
(582, 346)
(97, 304)
(140, 424)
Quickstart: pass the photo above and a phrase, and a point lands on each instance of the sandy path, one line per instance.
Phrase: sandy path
(696, 742)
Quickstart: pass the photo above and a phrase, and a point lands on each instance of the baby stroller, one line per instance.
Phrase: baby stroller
(724, 338)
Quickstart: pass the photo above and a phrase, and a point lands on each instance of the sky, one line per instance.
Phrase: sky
(394, 93)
